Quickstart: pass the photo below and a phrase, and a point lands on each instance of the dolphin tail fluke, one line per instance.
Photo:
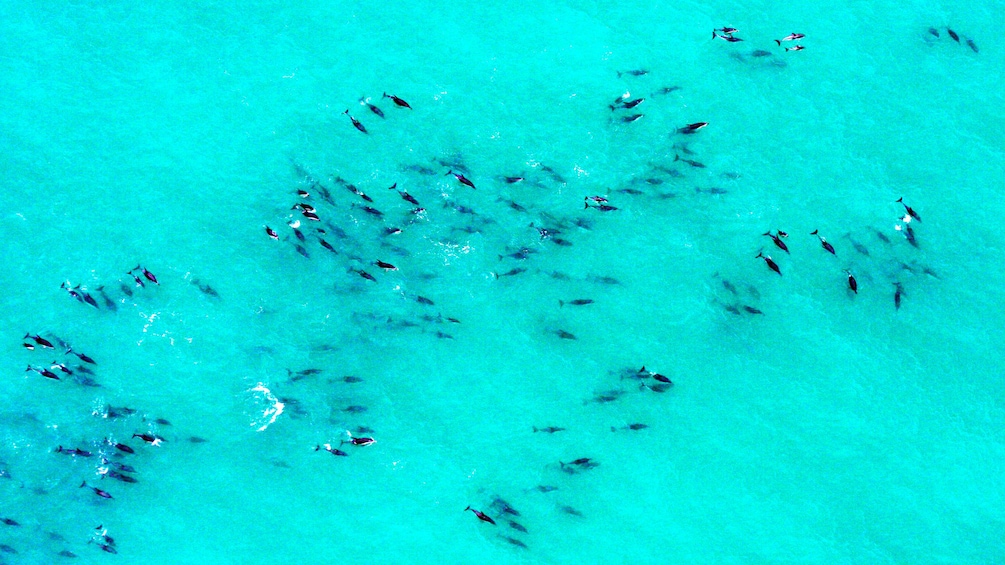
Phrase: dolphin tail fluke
(779, 42)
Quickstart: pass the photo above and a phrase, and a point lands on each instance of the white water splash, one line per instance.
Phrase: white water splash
(271, 412)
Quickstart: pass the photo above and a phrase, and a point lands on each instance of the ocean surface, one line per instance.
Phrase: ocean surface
(806, 423)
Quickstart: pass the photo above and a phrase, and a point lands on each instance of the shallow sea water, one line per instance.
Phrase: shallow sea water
(831, 428)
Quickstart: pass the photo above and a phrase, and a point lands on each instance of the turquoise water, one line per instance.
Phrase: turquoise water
(831, 428)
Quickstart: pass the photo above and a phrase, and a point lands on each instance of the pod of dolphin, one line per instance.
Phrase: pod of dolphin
(356, 232)
(112, 461)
